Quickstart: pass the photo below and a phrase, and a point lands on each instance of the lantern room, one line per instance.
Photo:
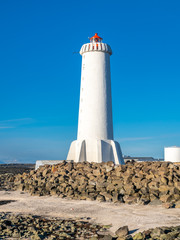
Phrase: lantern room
(96, 39)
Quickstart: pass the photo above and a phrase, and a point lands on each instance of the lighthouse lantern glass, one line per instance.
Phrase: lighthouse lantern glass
(96, 40)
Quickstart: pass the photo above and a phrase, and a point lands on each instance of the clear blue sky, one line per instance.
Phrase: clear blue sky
(40, 75)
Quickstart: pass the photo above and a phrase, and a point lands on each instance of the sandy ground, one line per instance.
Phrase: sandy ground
(137, 217)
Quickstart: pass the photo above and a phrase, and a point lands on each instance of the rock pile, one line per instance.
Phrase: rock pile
(160, 233)
(34, 227)
(134, 182)
(7, 181)
(39, 228)
(8, 171)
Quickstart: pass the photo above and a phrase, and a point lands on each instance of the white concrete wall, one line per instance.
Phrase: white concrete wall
(102, 47)
(40, 163)
(95, 111)
(172, 154)
(94, 150)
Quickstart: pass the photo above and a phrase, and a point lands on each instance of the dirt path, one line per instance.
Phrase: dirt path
(137, 217)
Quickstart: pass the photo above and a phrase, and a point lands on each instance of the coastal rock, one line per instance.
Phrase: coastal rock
(134, 182)
(138, 236)
(122, 231)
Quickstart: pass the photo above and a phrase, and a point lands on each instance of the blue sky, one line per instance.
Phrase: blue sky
(40, 72)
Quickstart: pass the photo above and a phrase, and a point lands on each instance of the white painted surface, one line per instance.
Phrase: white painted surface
(172, 154)
(96, 47)
(95, 126)
(95, 107)
(95, 150)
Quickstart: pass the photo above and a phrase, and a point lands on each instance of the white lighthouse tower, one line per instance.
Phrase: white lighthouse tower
(95, 127)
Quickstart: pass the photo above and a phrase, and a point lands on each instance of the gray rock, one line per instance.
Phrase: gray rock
(122, 231)
(155, 202)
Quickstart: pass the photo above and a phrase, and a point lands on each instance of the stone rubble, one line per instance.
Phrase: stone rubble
(7, 181)
(39, 228)
(35, 227)
(134, 182)
(8, 171)
(160, 233)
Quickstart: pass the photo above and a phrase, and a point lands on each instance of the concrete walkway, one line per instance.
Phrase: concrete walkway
(137, 217)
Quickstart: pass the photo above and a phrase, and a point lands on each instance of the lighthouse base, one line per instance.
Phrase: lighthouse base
(92, 150)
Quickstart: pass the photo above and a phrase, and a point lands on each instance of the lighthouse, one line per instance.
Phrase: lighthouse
(95, 142)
